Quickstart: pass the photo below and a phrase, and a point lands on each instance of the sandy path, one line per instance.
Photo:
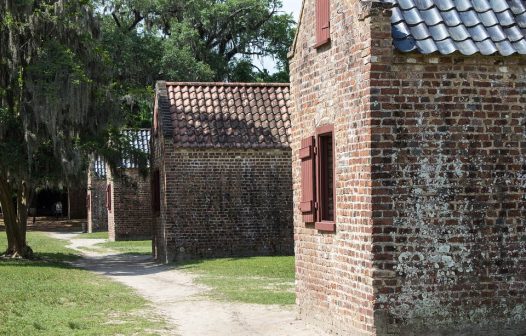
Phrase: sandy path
(181, 302)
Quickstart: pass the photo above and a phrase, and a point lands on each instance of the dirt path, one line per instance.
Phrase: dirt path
(183, 303)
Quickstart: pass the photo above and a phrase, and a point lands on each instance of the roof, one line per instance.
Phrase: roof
(447, 26)
(99, 167)
(229, 115)
(138, 139)
(468, 26)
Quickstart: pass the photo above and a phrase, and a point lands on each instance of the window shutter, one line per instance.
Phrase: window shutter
(108, 197)
(322, 22)
(307, 205)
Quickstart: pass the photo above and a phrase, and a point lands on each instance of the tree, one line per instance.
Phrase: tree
(51, 97)
(207, 39)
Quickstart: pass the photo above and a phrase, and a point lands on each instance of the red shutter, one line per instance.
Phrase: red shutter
(307, 205)
(108, 197)
(322, 22)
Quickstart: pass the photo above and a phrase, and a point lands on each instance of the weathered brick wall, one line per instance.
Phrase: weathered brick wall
(97, 213)
(430, 192)
(226, 202)
(160, 146)
(449, 145)
(130, 217)
(330, 85)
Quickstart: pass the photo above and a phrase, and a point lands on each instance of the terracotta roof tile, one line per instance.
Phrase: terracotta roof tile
(244, 115)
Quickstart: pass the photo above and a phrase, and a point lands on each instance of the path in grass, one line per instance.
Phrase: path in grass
(180, 299)
(48, 297)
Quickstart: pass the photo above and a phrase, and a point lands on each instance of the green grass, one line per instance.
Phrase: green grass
(143, 247)
(94, 235)
(262, 280)
(48, 297)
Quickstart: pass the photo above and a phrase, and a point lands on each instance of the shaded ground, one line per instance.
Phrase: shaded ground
(183, 302)
(50, 224)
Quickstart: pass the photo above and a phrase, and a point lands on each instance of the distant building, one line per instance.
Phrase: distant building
(121, 203)
(96, 198)
(221, 170)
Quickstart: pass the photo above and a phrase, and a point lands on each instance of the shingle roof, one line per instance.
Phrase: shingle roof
(99, 167)
(139, 139)
(467, 26)
(242, 115)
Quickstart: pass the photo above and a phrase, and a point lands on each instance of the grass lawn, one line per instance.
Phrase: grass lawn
(48, 297)
(94, 235)
(263, 280)
(128, 247)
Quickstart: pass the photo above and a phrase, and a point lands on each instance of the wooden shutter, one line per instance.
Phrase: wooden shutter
(108, 197)
(307, 205)
(322, 22)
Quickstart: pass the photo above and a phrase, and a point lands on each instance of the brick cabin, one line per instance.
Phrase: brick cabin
(221, 170)
(409, 166)
(123, 200)
(129, 195)
(96, 198)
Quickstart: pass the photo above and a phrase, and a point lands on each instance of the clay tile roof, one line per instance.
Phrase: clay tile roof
(235, 115)
(466, 26)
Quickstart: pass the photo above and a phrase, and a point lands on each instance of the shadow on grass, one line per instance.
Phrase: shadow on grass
(55, 260)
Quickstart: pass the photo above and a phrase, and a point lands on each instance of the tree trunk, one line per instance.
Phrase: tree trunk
(15, 225)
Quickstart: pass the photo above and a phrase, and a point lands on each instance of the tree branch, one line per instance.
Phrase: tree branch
(136, 21)
(116, 19)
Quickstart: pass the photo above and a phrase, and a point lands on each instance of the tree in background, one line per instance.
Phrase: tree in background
(73, 73)
(52, 93)
(191, 40)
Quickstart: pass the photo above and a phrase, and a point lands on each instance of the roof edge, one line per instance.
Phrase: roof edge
(224, 84)
(163, 109)
(292, 49)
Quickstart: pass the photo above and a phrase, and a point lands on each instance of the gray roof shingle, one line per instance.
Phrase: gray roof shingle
(139, 139)
(467, 26)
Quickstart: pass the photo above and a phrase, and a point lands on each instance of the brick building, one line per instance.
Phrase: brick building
(96, 198)
(408, 152)
(221, 170)
(120, 200)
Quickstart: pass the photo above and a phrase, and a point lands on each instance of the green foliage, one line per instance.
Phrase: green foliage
(263, 280)
(196, 40)
(35, 299)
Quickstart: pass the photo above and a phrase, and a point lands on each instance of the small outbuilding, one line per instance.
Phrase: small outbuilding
(96, 198)
(120, 200)
(409, 166)
(221, 170)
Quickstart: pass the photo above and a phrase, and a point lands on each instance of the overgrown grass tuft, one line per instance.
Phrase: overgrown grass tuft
(49, 297)
(262, 280)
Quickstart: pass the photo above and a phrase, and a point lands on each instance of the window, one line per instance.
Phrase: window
(322, 22)
(156, 193)
(318, 180)
(325, 177)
